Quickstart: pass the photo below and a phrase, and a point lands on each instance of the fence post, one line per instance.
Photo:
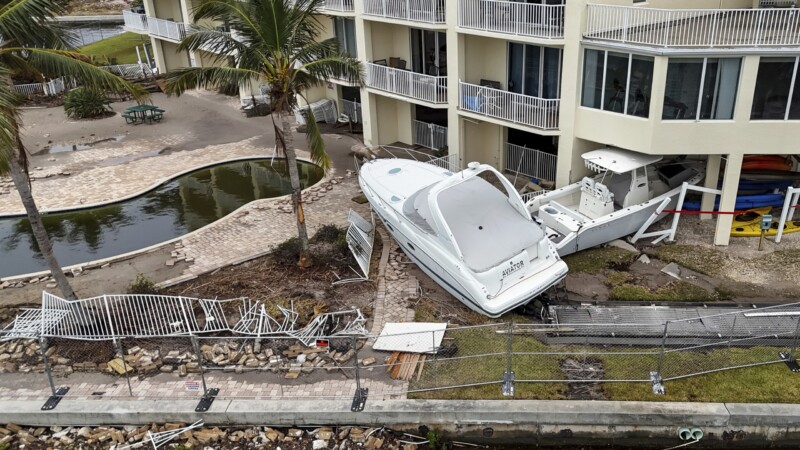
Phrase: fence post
(508, 375)
(208, 394)
(120, 351)
(360, 398)
(43, 346)
(733, 329)
(199, 355)
(655, 377)
(794, 341)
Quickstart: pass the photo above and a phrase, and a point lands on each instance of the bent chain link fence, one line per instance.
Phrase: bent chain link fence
(519, 360)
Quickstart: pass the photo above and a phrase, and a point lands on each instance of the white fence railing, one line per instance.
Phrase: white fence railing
(130, 71)
(409, 84)
(49, 88)
(518, 18)
(429, 135)
(167, 28)
(339, 5)
(353, 110)
(694, 27)
(523, 109)
(777, 4)
(530, 162)
(135, 21)
(429, 11)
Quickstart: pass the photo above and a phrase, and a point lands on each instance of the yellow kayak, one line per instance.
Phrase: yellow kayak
(749, 224)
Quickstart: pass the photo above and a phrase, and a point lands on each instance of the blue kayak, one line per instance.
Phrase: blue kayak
(743, 202)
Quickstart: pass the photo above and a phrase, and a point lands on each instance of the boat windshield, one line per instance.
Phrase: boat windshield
(417, 210)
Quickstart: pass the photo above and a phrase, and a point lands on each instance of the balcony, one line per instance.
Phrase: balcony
(693, 28)
(426, 88)
(340, 6)
(424, 11)
(512, 18)
(135, 22)
(541, 113)
(168, 29)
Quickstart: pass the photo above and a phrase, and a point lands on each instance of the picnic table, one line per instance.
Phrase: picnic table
(143, 114)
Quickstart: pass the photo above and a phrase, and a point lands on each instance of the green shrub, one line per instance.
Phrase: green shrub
(143, 285)
(287, 253)
(84, 103)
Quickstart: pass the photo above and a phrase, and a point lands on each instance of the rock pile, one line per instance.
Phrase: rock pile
(24, 356)
(340, 438)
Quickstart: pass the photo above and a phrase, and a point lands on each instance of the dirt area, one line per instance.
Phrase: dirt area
(96, 8)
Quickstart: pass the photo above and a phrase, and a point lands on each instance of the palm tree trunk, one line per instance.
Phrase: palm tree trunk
(22, 183)
(285, 139)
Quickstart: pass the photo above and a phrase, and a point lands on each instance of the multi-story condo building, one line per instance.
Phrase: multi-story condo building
(537, 83)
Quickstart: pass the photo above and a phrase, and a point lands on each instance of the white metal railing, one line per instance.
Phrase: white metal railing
(530, 162)
(429, 11)
(353, 110)
(30, 88)
(409, 84)
(339, 5)
(167, 28)
(694, 27)
(130, 71)
(49, 88)
(518, 18)
(429, 135)
(523, 109)
(777, 4)
(135, 21)
(450, 162)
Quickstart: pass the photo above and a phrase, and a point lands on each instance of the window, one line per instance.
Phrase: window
(617, 82)
(701, 88)
(345, 31)
(534, 71)
(428, 52)
(776, 94)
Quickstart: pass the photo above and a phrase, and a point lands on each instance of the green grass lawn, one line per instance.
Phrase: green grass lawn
(478, 357)
(122, 47)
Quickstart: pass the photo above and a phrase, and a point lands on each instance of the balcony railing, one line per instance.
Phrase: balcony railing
(516, 18)
(429, 135)
(531, 162)
(694, 27)
(517, 108)
(408, 84)
(167, 28)
(428, 11)
(134, 21)
(353, 110)
(339, 5)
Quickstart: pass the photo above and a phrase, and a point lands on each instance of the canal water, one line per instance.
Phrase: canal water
(88, 33)
(175, 208)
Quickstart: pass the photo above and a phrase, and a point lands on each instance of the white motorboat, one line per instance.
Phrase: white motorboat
(628, 189)
(469, 231)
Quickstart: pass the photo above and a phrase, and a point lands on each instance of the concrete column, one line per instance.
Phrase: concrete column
(368, 101)
(158, 55)
(455, 71)
(711, 182)
(574, 18)
(727, 201)
(747, 89)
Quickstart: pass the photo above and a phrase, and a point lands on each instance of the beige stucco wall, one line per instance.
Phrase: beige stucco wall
(168, 9)
(481, 142)
(485, 58)
(172, 58)
(390, 40)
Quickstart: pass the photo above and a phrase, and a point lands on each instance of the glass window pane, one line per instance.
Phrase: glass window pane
(531, 71)
(416, 51)
(794, 108)
(641, 84)
(771, 96)
(552, 72)
(338, 30)
(616, 80)
(719, 88)
(682, 89)
(515, 58)
(350, 33)
(592, 78)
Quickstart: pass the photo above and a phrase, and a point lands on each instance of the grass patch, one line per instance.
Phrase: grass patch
(121, 47)
(622, 287)
(699, 259)
(760, 384)
(596, 260)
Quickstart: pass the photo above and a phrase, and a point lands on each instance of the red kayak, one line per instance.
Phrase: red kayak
(766, 162)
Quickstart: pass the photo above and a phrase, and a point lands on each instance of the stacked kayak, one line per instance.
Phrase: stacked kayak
(749, 224)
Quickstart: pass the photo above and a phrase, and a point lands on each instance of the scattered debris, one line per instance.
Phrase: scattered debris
(672, 270)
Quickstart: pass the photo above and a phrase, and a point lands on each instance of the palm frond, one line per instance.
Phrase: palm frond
(30, 23)
(181, 80)
(10, 101)
(58, 63)
(316, 144)
(210, 40)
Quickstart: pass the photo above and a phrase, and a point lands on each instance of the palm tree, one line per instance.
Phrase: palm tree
(274, 43)
(32, 43)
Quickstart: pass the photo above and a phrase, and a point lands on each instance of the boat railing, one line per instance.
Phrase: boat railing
(528, 196)
(451, 162)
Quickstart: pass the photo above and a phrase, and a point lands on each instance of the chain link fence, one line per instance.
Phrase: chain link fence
(519, 360)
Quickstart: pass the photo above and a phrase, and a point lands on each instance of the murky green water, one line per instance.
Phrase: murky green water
(171, 210)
